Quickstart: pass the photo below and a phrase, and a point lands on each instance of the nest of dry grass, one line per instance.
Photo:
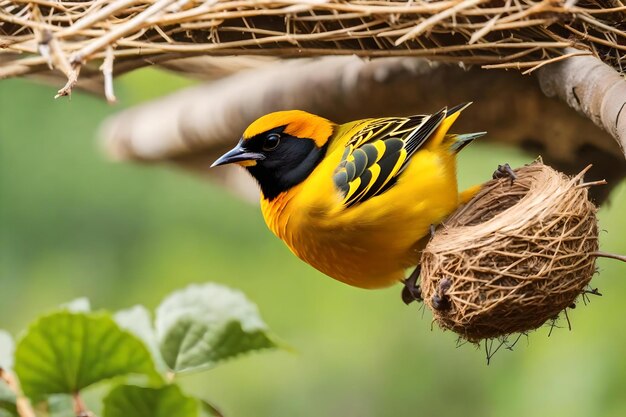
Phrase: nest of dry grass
(514, 257)
(40, 35)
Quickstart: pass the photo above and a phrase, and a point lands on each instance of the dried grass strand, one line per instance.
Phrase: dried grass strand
(468, 31)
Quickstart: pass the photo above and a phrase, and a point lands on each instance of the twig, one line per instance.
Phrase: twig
(591, 184)
(24, 409)
(569, 323)
(91, 18)
(107, 72)
(423, 26)
(608, 255)
(555, 59)
(485, 29)
(121, 30)
(72, 78)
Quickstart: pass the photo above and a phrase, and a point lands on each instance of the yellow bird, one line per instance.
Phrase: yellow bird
(356, 201)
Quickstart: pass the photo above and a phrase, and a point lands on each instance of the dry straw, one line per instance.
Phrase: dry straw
(36, 36)
(514, 257)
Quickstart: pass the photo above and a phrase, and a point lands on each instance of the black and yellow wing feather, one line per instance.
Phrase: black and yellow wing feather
(377, 154)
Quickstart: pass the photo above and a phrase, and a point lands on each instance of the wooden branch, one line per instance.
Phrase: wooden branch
(591, 87)
(193, 126)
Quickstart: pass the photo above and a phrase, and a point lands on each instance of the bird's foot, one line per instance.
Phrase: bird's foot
(412, 291)
(504, 171)
(410, 294)
(440, 300)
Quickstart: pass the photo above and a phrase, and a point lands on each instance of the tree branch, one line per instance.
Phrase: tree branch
(194, 126)
(591, 87)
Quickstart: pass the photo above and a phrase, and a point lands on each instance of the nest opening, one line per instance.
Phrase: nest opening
(487, 204)
(514, 257)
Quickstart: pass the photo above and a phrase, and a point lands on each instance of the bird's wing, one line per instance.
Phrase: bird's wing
(377, 154)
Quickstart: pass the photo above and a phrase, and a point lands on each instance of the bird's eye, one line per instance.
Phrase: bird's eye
(271, 142)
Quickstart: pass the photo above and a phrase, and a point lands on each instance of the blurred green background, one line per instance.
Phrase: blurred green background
(73, 224)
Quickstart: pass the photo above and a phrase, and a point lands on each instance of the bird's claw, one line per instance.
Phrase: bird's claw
(504, 171)
(410, 294)
(440, 300)
(412, 291)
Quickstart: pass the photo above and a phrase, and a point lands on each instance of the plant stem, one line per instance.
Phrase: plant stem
(80, 409)
(24, 409)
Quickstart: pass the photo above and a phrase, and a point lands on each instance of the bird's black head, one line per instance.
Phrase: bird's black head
(281, 149)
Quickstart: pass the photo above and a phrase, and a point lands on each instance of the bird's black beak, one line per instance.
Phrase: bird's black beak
(240, 156)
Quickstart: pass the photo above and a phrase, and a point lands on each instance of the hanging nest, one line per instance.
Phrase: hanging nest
(514, 257)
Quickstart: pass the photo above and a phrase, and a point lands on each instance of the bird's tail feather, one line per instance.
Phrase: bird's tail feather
(451, 115)
(459, 142)
(458, 108)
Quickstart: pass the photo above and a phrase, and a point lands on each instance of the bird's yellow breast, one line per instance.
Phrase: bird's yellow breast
(370, 244)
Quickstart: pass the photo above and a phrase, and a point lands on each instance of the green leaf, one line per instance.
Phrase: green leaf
(65, 352)
(60, 405)
(209, 409)
(9, 411)
(5, 393)
(138, 321)
(7, 349)
(8, 408)
(134, 401)
(204, 324)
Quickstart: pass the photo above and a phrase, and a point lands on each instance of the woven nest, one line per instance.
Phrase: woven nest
(36, 36)
(513, 257)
